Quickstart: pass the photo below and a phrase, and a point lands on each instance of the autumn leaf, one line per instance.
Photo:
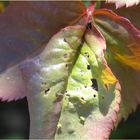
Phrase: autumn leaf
(72, 83)
(71, 89)
(123, 55)
(131, 13)
(26, 26)
(12, 86)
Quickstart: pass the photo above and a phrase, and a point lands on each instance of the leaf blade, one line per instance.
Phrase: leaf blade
(46, 89)
(70, 70)
(122, 55)
(26, 26)
(12, 86)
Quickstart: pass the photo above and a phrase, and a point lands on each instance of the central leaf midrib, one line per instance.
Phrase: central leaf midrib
(70, 71)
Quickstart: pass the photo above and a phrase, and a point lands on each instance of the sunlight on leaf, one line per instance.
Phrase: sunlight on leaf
(72, 92)
(46, 76)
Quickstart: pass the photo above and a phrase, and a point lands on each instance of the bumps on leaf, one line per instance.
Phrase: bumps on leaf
(92, 100)
(69, 88)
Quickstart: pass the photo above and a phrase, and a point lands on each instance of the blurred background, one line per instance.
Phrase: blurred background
(14, 122)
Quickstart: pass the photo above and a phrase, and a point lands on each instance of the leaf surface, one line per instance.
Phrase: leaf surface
(26, 26)
(90, 109)
(46, 76)
(71, 90)
(12, 86)
(123, 55)
(131, 13)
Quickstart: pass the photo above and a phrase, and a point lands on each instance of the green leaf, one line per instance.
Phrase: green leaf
(46, 76)
(72, 93)
(123, 55)
(26, 26)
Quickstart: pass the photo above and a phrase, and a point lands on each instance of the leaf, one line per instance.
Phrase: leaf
(123, 55)
(26, 26)
(72, 93)
(131, 13)
(127, 3)
(12, 86)
(46, 77)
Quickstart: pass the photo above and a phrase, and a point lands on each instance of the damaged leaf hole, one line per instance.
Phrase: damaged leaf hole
(94, 95)
(82, 98)
(89, 25)
(46, 91)
(94, 84)
(88, 67)
(86, 54)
